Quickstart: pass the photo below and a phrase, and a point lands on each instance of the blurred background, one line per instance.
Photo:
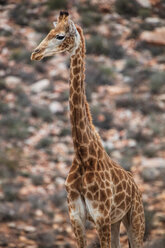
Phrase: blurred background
(125, 62)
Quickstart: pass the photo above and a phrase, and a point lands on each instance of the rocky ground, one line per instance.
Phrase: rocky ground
(125, 77)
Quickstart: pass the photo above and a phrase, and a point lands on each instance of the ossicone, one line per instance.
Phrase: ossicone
(64, 13)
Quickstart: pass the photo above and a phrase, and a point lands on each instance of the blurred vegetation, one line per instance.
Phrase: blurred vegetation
(4, 108)
(44, 143)
(131, 8)
(37, 179)
(157, 82)
(42, 26)
(106, 122)
(156, 124)
(10, 161)
(89, 18)
(126, 7)
(155, 50)
(14, 126)
(144, 106)
(144, 12)
(98, 74)
(65, 131)
(22, 13)
(57, 4)
(131, 63)
(23, 99)
(20, 55)
(97, 44)
(42, 112)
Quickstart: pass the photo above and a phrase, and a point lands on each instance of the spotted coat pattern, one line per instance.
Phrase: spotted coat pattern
(98, 188)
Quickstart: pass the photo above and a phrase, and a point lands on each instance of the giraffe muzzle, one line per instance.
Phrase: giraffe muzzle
(37, 54)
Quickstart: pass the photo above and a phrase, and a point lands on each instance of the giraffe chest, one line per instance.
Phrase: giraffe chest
(99, 196)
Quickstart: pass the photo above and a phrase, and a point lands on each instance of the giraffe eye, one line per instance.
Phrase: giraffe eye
(60, 37)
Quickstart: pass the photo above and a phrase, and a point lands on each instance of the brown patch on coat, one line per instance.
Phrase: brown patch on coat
(102, 195)
(74, 61)
(93, 188)
(83, 151)
(119, 187)
(72, 177)
(107, 204)
(76, 70)
(94, 205)
(89, 196)
(89, 177)
(75, 98)
(82, 126)
(96, 196)
(100, 153)
(79, 135)
(85, 137)
(92, 150)
(73, 195)
(119, 197)
(109, 193)
(101, 207)
(122, 205)
(115, 178)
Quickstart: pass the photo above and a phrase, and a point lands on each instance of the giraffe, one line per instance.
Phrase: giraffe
(98, 189)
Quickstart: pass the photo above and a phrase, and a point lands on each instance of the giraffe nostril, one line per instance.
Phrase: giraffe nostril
(37, 50)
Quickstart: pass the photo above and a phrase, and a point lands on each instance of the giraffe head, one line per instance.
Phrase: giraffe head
(63, 37)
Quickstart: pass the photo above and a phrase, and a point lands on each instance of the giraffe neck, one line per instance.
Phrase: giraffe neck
(83, 131)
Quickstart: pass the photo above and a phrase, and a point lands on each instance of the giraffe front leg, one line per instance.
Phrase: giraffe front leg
(78, 216)
(102, 222)
(104, 232)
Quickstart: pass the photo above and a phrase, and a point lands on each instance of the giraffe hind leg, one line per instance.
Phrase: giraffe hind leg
(115, 235)
(134, 223)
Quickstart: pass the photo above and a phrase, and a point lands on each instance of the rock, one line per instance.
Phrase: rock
(153, 169)
(127, 79)
(150, 174)
(114, 90)
(12, 81)
(37, 179)
(11, 191)
(153, 20)
(56, 107)
(144, 3)
(108, 145)
(12, 225)
(156, 37)
(126, 162)
(40, 85)
(59, 181)
(59, 199)
(38, 213)
(154, 162)
(28, 229)
(46, 239)
(103, 30)
(159, 243)
(7, 213)
(154, 2)
(3, 240)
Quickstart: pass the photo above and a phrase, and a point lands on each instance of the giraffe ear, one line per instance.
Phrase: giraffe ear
(54, 24)
(72, 27)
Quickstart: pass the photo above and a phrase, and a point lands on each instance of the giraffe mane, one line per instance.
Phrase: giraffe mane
(79, 29)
